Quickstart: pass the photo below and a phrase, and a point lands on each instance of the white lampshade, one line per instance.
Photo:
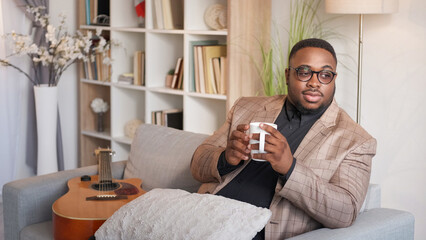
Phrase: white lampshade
(361, 6)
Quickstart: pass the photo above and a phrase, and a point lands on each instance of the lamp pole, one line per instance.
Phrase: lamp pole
(360, 46)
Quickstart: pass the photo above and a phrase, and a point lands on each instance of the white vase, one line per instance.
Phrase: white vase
(46, 104)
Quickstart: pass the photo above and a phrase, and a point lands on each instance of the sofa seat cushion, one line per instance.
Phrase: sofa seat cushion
(178, 214)
(38, 231)
(161, 157)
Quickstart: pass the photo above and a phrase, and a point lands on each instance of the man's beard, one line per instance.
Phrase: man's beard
(307, 111)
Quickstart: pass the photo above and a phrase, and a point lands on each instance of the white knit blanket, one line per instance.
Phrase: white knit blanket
(177, 214)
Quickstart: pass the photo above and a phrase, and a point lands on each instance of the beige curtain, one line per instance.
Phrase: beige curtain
(249, 24)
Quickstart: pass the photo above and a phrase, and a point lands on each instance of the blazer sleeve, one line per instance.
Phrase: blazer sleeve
(205, 159)
(336, 202)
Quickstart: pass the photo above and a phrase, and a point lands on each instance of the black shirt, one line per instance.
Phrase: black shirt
(255, 184)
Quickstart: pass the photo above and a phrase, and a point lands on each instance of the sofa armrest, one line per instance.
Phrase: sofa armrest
(29, 201)
(378, 223)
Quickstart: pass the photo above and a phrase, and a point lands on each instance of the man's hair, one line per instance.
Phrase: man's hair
(312, 42)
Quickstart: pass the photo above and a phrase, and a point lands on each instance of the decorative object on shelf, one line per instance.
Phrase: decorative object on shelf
(140, 12)
(215, 17)
(50, 56)
(361, 7)
(131, 127)
(169, 78)
(126, 78)
(46, 105)
(100, 107)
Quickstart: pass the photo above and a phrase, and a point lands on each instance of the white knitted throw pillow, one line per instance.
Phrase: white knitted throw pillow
(177, 214)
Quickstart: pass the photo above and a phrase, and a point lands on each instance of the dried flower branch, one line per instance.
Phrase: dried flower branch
(62, 49)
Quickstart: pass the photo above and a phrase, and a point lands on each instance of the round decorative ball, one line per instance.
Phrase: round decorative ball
(131, 127)
(215, 16)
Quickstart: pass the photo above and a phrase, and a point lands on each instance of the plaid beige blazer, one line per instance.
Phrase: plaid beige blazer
(329, 182)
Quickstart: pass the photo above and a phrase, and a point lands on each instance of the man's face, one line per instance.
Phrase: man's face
(310, 96)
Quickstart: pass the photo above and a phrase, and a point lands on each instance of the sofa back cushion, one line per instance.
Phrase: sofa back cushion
(161, 157)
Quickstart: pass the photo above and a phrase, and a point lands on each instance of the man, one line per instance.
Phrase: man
(318, 161)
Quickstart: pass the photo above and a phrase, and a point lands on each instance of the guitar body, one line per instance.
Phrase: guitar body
(88, 203)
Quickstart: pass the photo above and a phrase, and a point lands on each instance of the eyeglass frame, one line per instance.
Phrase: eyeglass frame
(312, 74)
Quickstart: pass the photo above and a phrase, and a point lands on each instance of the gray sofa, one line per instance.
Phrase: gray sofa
(161, 156)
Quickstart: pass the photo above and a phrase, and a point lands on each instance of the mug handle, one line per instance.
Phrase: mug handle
(262, 142)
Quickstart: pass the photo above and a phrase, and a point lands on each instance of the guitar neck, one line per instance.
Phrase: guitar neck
(104, 164)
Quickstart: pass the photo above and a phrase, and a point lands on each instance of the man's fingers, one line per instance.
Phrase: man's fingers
(274, 132)
(243, 127)
(237, 155)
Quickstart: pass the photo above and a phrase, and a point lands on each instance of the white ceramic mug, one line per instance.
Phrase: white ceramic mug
(255, 128)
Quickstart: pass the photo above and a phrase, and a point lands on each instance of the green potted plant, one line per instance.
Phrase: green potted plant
(304, 23)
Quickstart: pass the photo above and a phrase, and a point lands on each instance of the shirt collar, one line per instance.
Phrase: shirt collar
(293, 114)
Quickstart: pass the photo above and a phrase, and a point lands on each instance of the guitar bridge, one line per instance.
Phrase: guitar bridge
(105, 197)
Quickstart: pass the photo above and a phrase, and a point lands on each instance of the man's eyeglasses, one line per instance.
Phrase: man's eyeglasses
(305, 74)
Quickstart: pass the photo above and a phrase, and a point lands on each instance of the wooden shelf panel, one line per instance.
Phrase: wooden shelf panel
(88, 146)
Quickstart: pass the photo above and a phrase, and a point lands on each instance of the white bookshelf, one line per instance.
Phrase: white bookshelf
(202, 113)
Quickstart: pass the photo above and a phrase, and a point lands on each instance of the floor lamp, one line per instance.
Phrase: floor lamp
(360, 7)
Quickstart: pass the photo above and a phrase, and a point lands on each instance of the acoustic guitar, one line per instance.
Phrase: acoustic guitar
(90, 200)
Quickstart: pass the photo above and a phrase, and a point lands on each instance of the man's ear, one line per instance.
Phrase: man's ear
(287, 75)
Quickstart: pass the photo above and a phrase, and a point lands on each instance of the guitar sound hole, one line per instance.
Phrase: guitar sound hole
(106, 186)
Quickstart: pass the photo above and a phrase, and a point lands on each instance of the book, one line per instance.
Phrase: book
(172, 118)
(125, 78)
(180, 79)
(101, 12)
(177, 13)
(178, 69)
(208, 53)
(215, 65)
(167, 14)
(158, 13)
(139, 68)
(223, 75)
(88, 19)
(194, 85)
(201, 76)
(99, 66)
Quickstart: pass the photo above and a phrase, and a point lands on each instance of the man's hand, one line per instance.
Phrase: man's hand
(237, 148)
(277, 148)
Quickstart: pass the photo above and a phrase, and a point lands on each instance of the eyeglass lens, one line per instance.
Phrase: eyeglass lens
(305, 74)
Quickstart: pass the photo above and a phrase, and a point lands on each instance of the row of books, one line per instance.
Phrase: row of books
(170, 118)
(96, 12)
(137, 77)
(168, 14)
(208, 67)
(97, 70)
(175, 81)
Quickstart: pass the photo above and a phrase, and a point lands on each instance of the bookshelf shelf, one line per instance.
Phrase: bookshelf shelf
(129, 86)
(202, 113)
(96, 82)
(94, 27)
(123, 139)
(208, 96)
(106, 135)
(207, 32)
(166, 90)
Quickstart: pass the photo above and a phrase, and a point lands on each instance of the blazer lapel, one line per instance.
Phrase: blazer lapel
(270, 111)
(318, 131)
(315, 135)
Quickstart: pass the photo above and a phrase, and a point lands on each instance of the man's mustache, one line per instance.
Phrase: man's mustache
(313, 91)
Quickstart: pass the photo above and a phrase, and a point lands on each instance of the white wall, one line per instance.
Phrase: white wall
(392, 97)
